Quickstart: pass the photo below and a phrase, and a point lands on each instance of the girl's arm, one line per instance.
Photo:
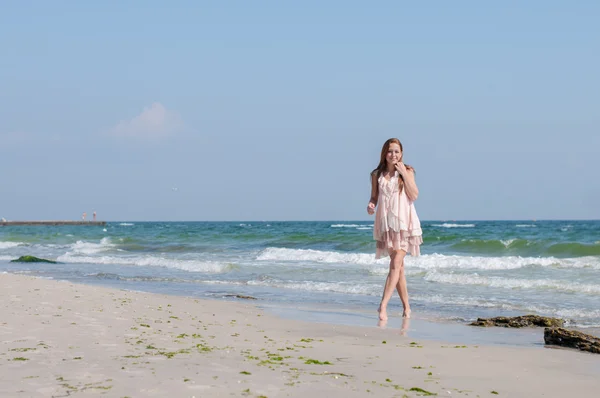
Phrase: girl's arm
(374, 194)
(412, 191)
(410, 185)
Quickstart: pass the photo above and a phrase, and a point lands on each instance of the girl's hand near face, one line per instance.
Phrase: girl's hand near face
(401, 168)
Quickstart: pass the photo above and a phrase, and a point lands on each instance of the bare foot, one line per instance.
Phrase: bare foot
(406, 313)
(382, 314)
(381, 324)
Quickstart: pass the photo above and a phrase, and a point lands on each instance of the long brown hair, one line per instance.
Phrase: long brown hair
(382, 166)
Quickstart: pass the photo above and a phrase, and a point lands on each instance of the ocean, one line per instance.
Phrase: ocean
(467, 269)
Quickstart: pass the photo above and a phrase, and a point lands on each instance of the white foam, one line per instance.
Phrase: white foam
(507, 283)
(426, 261)
(460, 301)
(92, 248)
(283, 254)
(8, 245)
(579, 315)
(334, 287)
(350, 225)
(440, 261)
(149, 261)
(565, 313)
(526, 226)
(126, 224)
(448, 225)
(507, 242)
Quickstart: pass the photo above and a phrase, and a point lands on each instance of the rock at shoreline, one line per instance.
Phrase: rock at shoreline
(572, 339)
(32, 259)
(519, 321)
(241, 296)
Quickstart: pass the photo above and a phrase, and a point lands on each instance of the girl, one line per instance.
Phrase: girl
(397, 228)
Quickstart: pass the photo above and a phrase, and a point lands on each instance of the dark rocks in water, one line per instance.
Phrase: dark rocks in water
(32, 259)
(241, 296)
(572, 339)
(519, 321)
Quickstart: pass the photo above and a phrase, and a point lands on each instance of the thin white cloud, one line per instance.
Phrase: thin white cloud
(155, 121)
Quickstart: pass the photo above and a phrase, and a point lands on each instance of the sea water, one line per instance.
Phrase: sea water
(467, 269)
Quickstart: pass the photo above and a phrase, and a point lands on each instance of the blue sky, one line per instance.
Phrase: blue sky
(270, 110)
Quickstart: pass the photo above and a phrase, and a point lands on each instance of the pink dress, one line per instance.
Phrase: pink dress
(397, 225)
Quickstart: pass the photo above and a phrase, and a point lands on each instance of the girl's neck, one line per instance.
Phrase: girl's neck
(391, 169)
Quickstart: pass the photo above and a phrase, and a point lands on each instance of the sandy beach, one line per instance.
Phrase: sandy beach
(63, 339)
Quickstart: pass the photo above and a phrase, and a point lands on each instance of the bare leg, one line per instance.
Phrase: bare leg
(396, 267)
(403, 290)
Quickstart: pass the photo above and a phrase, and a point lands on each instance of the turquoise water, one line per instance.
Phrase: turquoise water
(467, 269)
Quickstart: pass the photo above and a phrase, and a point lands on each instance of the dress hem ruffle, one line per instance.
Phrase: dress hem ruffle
(403, 240)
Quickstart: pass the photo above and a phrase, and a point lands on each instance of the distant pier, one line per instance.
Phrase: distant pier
(57, 222)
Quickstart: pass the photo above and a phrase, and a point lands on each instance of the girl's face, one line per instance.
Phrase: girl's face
(394, 154)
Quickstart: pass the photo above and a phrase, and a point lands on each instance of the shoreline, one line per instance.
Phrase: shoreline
(417, 327)
(60, 338)
(422, 325)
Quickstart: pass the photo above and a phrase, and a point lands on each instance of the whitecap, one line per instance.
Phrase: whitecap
(150, 261)
(448, 225)
(426, 261)
(510, 283)
(8, 245)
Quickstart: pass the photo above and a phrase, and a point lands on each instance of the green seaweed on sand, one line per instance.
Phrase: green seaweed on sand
(171, 354)
(316, 362)
(100, 387)
(424, 392)
(203, 347)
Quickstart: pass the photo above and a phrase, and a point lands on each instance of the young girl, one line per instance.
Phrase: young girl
(397, 228)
